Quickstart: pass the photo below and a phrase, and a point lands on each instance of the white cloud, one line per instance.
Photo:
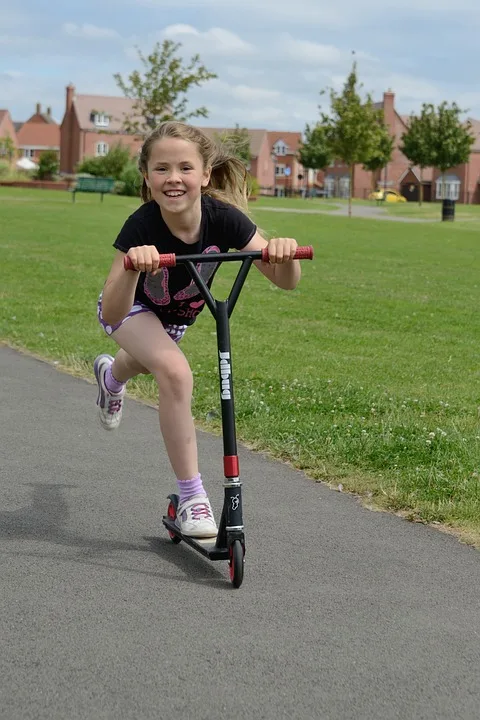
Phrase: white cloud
(216, 41)
(311, 53)
(244, 93)
(91, 32)
(11, 75)
(181, 30)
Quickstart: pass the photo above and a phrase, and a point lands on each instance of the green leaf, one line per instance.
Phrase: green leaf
(160, 91)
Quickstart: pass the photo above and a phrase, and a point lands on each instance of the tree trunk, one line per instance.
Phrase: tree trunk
(420, 194)
(350, 192)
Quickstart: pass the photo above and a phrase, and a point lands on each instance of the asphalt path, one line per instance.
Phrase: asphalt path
(344, 613)
(363, 211)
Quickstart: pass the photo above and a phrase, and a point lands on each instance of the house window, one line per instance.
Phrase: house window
(29, 153)
(280, 148)
(280, 170)
(337, 186)
(101, 149)
(330, 186)
(344, 186)
(101, 120)
(448, 187)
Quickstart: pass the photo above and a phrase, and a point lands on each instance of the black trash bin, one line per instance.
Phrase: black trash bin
(448, 210)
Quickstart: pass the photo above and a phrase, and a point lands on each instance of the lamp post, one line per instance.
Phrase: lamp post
(273, 158)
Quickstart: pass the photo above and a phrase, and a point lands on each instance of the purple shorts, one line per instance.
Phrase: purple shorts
(176, 332)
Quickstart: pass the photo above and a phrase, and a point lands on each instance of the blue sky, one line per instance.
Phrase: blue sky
(272, 57)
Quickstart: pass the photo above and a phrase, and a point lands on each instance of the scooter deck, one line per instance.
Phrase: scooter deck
(205, 546)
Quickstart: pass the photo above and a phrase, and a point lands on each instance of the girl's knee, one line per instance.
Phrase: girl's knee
(175, 379)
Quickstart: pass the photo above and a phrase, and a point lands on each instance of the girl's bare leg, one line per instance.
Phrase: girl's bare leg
(145, 346)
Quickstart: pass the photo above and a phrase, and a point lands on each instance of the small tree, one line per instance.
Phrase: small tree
(160, 93)
(417, 142)
(351, 129)
(7, 147)
(451, 139)
(47, 165)
(314, 152)
(381, 153)
(238, 143)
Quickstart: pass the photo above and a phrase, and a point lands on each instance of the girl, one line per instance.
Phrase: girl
(194, 201)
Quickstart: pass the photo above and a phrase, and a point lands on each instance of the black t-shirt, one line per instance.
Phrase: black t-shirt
(171, 294)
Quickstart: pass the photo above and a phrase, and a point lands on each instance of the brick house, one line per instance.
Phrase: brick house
(273, 159)
(91, 126)
(337, 180)
(39, 133)
(290, 176)
(461, 183)
(261, 164)
(7, 129)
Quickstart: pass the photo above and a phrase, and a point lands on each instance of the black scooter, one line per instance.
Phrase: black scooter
(230, 541)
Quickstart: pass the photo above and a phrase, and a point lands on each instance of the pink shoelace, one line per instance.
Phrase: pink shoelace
(114, 406)
(201, 511)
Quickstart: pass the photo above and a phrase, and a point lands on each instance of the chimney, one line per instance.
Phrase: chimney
(49, 111)
(38, 109)
(70, 94)
(389, 109)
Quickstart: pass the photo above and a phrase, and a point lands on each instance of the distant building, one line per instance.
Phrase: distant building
(39, 133)
(91, 126)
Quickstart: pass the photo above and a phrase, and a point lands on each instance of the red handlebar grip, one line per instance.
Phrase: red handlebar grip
(304, 252)
(167, 260)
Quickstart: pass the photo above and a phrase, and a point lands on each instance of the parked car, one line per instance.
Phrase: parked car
(387, 196)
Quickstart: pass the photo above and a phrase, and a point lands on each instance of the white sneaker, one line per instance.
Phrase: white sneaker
(109, 404)
(195, 517)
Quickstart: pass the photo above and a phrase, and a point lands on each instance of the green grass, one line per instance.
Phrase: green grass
(433, 211)
(367, 376)
(318, 204)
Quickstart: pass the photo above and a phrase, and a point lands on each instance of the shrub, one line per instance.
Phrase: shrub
(131, 181)
(253, 186)
(4, 168)
(47, 165)
(111, 165)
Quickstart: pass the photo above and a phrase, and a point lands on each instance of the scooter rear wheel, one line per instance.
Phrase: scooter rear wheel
(172, 514)
(236, 563)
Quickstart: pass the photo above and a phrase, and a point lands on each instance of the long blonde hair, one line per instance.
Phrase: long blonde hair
(228, 179)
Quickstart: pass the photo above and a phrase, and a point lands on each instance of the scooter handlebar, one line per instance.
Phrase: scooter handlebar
(304, 252)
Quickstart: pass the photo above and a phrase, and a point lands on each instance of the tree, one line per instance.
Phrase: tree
(237, 141)
(451, 140)
(47, 165)
(160, 93)
(382, 151)
(314, 152)
(7, 147)
(417, 142)
(351, 128)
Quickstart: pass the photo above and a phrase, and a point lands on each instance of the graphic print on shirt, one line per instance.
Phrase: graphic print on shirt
(157, 290)
(205, 270)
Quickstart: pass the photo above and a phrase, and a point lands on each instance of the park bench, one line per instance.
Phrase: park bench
(93, 185)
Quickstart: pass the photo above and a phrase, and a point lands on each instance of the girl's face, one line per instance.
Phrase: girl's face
(175, 174)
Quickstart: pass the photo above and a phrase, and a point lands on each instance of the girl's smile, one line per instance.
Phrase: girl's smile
(175, 174)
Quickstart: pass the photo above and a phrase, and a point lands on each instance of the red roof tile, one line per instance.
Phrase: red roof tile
(39, 135)
(291, 139)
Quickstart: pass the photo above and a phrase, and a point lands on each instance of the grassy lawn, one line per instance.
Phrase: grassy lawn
(433, 211)
(318, 204)
(367, 376)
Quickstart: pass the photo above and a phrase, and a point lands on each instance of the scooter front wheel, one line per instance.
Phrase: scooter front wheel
(236, 563)
(172, 514)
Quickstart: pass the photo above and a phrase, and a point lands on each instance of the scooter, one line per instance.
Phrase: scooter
(230, 541)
